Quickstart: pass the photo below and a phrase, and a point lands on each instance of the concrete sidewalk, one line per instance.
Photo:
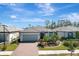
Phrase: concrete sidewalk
(6, 53)
(56, 51)
(26, 49)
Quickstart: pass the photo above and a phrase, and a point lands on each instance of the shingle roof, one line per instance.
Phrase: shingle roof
(8, 28)
(67, 29)
(37, 29)
(43, 29)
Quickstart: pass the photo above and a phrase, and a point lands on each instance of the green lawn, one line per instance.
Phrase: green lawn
(61, 47)
(77, 48)
(10, 47)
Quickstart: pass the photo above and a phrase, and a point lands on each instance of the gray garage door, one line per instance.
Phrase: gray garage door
(31, 38)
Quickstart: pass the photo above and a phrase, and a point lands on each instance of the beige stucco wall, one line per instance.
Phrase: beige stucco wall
(13, 36)
(61, 34)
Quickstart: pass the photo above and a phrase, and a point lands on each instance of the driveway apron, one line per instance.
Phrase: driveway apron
(26, 49)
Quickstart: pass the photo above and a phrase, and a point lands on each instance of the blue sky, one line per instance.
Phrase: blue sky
(23, 14)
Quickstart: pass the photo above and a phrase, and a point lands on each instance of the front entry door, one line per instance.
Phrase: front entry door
(41, 35)
(70, 35)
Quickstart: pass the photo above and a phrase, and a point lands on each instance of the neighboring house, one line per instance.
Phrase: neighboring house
(8, 33)
(66, 31)
(36, 33)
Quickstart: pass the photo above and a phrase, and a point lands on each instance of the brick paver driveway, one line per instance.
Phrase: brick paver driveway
(26, 49)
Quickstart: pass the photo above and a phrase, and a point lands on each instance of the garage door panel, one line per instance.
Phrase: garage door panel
(29, 37)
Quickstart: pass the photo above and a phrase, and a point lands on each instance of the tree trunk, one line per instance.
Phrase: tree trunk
(71, 53)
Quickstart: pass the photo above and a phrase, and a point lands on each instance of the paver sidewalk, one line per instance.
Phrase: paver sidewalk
(26, 49)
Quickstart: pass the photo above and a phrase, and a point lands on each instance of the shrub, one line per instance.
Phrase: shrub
(71, 45)
(46, 38)
(14, 41)
(66, 43)
(63, 38)
(58, 42)
(40, 45)
(75, 44)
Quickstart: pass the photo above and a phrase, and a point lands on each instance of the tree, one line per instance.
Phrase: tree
(78, 24)
(61, 23)
(71, 47)
(74, 23)
(53, 25)
(30, 25)
(47, 23)
(77, 35)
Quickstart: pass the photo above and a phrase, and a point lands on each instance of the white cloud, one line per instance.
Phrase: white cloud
(8, 4)
(72, 17)
(15, 7)
(30, 20)
(18, 9)
(13, 16)
(45, 8)
(65, 7)
(12, 4)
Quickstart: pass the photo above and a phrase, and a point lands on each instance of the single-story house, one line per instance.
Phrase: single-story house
(8, 33)
(36, 33)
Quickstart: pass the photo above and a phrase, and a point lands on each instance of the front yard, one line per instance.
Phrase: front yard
(60, 47)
